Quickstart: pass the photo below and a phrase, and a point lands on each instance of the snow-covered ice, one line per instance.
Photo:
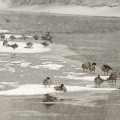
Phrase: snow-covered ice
(49, 65)
(80, 76)
(4, 31)
(25, 64)
(16, 36)
(36, 89)
(37, 48)
(17, 62)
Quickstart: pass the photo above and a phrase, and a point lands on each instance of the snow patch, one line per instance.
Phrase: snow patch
(37, 48)
(79, 76)
(4, 31)
(36, 89)
(25, 64)
(17, 62)
(50, 66)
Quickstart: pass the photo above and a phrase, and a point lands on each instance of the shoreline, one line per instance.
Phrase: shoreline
(68, 10)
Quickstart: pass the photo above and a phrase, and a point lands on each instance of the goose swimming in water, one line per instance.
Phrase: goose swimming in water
(48, 98)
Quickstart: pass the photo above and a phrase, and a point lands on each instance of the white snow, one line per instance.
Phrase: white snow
(4, 31)
(25, 64)
(79, 76)
(10, 84)
(36, 66)
(46, 63)
(43, 59)
(17, 36)
(17, 62)
(50, 66)
(91, 78)
(1, 61)
(37, 48)
(78, 68)
(36, 89)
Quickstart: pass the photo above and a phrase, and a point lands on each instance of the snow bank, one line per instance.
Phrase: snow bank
(71, 10)
(36, 89)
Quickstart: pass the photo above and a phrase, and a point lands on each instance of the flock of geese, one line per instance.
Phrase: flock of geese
(85, 66)
(105, 68)
(46, 37)
(28, 44)
(48, 97)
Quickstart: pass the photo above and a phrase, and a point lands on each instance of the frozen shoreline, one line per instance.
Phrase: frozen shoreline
(69, 10)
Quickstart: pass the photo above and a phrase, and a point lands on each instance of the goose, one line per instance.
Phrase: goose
(98, 80)
(45, 44)
(5, 43)
(47, 81)
(48, 98)
(113, 76)
(29, 45)
(61, 88)
(86, 65)
(92, 67)
(106, 68)
(14, 46)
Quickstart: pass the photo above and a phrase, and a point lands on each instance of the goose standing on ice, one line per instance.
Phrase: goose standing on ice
(86, 65)
(92, 67)
(113, 76)
(106, 68)
(47, 81)
(98, 80)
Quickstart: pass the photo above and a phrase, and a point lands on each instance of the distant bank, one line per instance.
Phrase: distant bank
(69, 10)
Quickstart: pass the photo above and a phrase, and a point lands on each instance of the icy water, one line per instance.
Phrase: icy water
(63, 64)
(22, 74)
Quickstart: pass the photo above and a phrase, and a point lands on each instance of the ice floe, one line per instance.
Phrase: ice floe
(50, 66)
(4, 31)
(17, 62)
(37, 48)
(80, 76)
(16, 36)
(25, 64)
(8, 85)
(37, 89)
(1, 61)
